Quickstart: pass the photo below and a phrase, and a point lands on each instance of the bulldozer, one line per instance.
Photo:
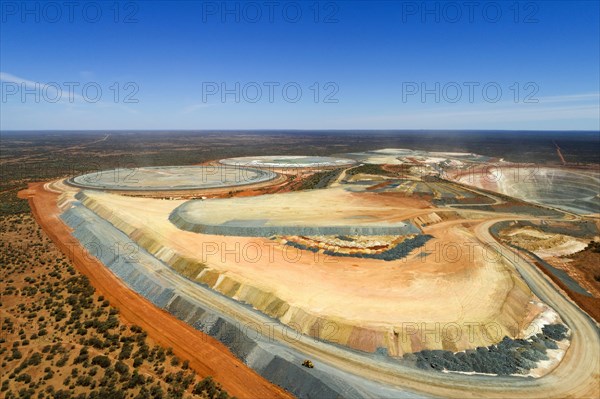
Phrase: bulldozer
(307, 363)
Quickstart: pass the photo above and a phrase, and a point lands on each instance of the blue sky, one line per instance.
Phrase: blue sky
(300, 65)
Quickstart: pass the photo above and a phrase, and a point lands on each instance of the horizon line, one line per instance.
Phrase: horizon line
(299, 130)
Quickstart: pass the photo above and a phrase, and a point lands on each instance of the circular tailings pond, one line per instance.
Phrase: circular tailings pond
(169, 178)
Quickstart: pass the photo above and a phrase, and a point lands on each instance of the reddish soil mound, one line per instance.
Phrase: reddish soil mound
(587, 262)
(589, 304)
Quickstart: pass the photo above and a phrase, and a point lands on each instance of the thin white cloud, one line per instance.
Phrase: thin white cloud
(48, 90)
(571, 98)
(62, 94)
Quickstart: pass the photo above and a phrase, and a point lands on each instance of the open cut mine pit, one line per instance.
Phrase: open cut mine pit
(389, 271)
(576, 191)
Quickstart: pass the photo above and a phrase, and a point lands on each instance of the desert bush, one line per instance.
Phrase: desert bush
(121, 367)
(101, 360)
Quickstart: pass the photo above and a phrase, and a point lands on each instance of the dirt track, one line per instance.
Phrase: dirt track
(206, 355)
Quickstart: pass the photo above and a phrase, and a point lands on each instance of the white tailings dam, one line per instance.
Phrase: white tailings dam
(171, 178)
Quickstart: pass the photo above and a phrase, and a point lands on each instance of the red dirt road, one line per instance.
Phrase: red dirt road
(206, 355)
